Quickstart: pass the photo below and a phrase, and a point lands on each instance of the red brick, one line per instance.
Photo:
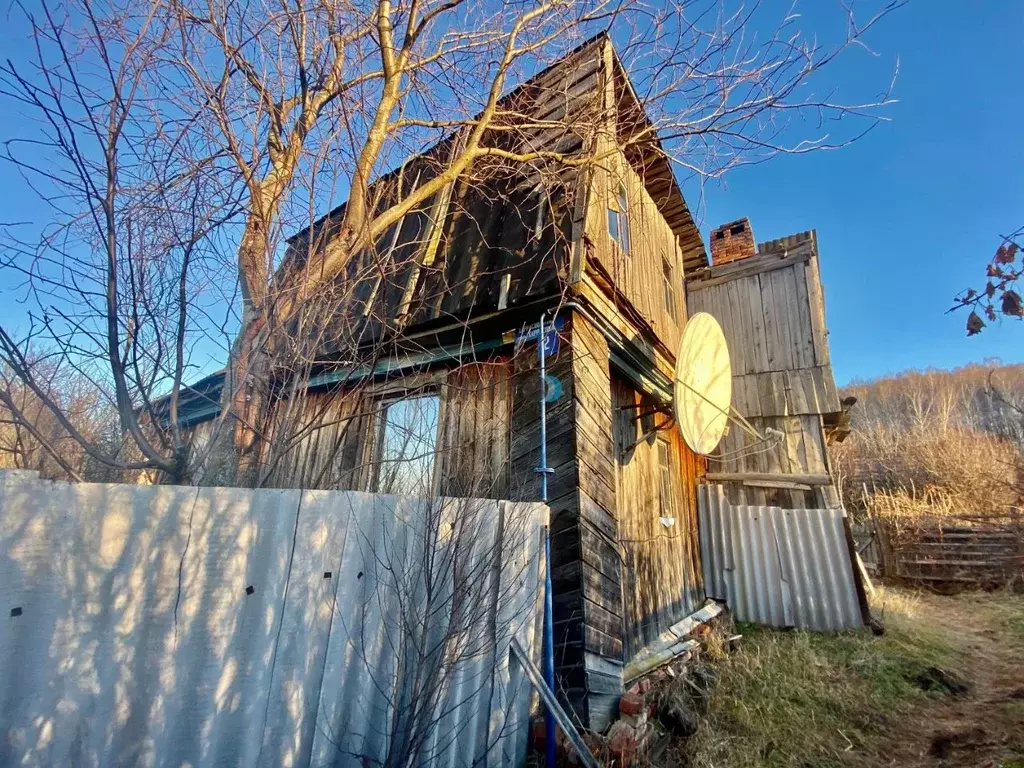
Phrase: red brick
(732, 242)
(631, 704)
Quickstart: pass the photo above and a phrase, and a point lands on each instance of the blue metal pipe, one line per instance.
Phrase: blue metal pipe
(543, 470)
(549, 626)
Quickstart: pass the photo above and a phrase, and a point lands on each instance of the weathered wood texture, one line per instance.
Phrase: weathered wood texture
(497, 221)
(772, 312)
(771, 309)
(654, 256)
(661, 569)
(801, 451)
(970, 552)
(332, 432)
(581, 492)
(639, 275)
(647, 155)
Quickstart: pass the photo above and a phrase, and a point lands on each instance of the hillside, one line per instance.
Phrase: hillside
(936, 440)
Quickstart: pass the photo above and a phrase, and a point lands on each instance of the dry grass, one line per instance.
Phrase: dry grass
(934, 441)
(802, 699)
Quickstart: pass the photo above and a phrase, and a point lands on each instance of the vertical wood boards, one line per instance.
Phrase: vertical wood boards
(328, 437)
(773, 319)
(639, 275)
(585, 562)
(772, 314)
(816, 298)
(660, 582)
(801, 450)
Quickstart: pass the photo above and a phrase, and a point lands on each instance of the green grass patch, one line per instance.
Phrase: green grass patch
(805, 699)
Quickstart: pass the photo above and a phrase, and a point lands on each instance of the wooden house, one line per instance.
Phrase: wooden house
(453, 295)
(769, 301)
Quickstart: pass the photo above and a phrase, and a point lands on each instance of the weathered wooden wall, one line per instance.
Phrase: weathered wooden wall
(496, 222)
(661, 569)
(637, 277)
(771, 309)
(581, 493)
(325, 438)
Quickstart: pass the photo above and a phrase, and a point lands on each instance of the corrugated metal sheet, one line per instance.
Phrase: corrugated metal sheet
(162, 625)
(781, 567)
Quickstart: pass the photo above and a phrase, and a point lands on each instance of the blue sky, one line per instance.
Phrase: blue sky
(906, 218)
(910, 215)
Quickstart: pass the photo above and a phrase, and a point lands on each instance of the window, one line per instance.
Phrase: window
(669, 279)
(618, 220)
(406, 445)
(542, 199)
(665, 496)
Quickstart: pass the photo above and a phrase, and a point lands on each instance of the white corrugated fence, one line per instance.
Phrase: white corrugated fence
(165, 625)
(780, 567)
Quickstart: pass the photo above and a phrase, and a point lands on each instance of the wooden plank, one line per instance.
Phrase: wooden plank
(799, 330)
(781, 307)
(771, 333)
(734, 309)
(807, 356)
(796, 477)
(746, 268)
(816, 300)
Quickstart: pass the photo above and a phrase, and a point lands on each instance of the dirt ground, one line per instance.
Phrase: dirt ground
(984, 725)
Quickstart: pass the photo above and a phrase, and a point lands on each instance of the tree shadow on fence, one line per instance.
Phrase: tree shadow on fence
(221, 626)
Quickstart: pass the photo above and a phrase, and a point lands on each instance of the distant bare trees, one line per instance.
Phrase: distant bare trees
(937, 439)
(176, 143)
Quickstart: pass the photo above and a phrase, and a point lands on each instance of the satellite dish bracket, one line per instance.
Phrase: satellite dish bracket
(667, 424)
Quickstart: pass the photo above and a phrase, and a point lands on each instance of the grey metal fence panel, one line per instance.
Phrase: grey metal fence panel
(780, 567)
(163, 625)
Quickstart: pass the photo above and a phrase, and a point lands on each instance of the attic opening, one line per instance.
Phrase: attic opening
(618, 219)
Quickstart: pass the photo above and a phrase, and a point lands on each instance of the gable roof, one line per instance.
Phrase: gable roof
(650, 160)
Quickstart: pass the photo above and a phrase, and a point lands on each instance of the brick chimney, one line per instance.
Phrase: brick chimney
(732, 242)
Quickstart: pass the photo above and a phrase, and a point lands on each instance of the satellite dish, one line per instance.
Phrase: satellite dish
(703, 384)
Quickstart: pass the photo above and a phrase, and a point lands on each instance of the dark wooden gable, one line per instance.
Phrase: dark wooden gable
(499, 223)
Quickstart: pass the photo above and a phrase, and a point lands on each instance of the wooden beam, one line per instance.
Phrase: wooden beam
(768, 477)
(535, 676)
(749, 267)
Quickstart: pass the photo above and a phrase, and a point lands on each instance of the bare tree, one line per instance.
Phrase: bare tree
(184, 139)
